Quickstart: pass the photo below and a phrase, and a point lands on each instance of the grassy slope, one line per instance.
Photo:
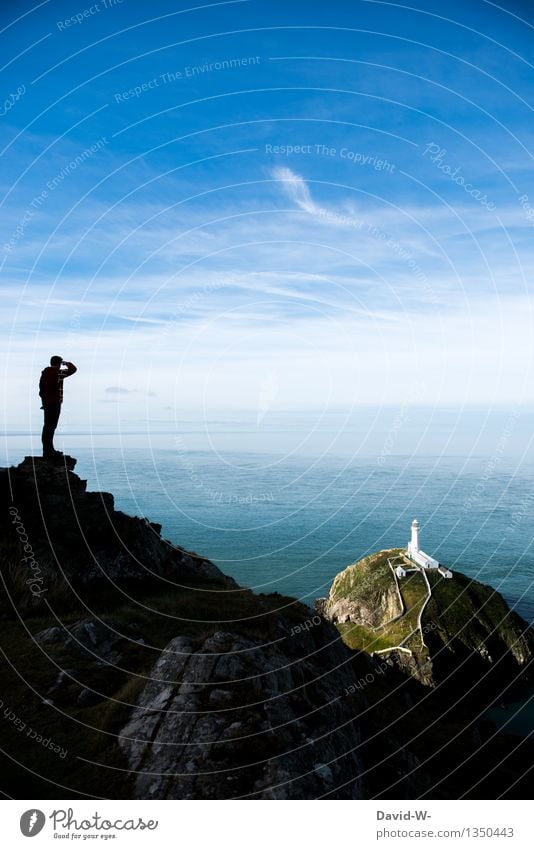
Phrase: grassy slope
(466, 609)
(29, 670)
(366, 581)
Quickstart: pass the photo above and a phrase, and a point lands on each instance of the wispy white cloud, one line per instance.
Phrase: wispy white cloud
(297, 190)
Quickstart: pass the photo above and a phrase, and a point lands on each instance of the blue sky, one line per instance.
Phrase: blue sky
(266, 205)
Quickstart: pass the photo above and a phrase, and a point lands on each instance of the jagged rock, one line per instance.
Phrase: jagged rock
(358, 596)
(234, 717)
(56, 634)
(79, 537)
(94, 639)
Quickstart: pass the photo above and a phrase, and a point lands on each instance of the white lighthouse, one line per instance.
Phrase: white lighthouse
(413, 545)
(414, 552)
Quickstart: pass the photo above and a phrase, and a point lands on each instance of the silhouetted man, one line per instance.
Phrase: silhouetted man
(51, 392)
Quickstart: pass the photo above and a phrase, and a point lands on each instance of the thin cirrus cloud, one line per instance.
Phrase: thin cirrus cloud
(297, 190)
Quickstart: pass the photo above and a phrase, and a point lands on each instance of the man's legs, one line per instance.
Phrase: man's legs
(51, 417)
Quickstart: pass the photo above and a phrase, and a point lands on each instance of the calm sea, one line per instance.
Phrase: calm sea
(285, 507)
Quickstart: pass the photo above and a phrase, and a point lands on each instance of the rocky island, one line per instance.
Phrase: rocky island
(431, 627)
(133, 668)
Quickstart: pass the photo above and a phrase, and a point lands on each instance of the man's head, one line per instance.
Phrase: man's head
(56, 361)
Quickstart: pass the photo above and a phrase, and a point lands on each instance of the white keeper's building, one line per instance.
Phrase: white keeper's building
(419, 557)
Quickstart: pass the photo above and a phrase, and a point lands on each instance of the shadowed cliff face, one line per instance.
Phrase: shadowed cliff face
(142, 671)
(79, 536)
(210, 691)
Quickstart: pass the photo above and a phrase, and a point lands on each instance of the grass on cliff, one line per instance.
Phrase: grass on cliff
(88, 734)
(15, 593)
(467, 610)
(367, 580)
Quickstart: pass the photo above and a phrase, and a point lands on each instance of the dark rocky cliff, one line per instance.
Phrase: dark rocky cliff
(80, 536)
(132, 668)
(206, 690)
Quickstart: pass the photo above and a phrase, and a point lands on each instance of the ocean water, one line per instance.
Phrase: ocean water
(285, 508)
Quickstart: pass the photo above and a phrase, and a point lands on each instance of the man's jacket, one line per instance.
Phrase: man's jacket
(51, 383)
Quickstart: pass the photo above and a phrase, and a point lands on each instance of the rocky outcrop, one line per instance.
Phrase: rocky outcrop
(372, 614)
(465, 631)
(63, 531)
(232, 717)
(364, 595)
(98, 640)
(101, 647)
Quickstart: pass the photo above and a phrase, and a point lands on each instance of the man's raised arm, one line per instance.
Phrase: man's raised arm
(71, 369)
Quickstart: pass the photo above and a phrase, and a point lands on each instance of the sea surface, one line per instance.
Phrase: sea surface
(285, 507)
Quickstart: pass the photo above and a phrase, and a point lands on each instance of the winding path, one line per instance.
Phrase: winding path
(419, 626)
